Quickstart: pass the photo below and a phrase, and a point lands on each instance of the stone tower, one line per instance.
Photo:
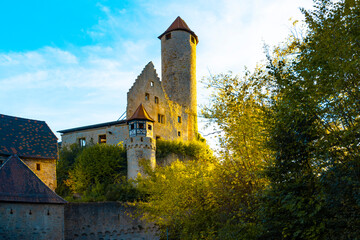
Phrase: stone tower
(140, 144)
(178, 63)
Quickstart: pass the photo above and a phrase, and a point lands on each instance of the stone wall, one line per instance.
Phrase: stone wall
(114, 135)
(178, 65)
(47, 171)
(137, 150)
(107, 220)
(28, 221)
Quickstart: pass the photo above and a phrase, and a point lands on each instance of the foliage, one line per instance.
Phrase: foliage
(192, 149)
(99, 174)
(65, 164)
(191, 200)
(238, 106)
(314, 132)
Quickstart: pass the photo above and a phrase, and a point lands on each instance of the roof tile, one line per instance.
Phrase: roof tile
(27, 138)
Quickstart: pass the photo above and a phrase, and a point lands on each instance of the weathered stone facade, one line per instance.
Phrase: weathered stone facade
(31, 221)
(115, 134)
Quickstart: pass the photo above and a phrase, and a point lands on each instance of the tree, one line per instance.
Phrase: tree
(96, 168)
(314, 132)
(64, 166)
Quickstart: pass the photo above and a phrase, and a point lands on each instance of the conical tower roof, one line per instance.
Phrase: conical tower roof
(179, 24)
(141, 114)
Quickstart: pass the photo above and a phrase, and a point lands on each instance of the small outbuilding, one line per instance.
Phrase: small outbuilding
(29, 209)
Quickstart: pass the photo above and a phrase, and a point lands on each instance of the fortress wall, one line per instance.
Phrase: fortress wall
(104, 220)
(31, 221)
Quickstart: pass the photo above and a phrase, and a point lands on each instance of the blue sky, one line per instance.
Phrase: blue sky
(71, 63)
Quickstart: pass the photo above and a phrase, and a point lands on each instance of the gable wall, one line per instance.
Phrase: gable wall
(171, 110)
(47, 172)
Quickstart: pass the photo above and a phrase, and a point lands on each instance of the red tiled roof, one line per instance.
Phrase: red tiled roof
(26, 138)
(19, 184)
(141, 114)
(179, 24)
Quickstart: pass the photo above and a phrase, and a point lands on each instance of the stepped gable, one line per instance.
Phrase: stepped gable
(27, 138)
(141, 114)
(148, 69)
(179, 24)
(20, 184)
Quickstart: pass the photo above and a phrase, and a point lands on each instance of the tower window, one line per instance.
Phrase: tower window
(179, 119)
(82, 142)
(147, 96)
(192, 39)
(149, 127)
(131, 139)
(161, 118)
(156, 100)
(132, 126)
(168, 36)
(141, 139)
(151, 83)
(38, 167)
(141, 126)
(102, 138)
(179, 134)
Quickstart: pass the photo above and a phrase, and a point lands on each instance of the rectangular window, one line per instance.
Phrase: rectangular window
(168, 36)
(149, 127)
(141, 126)
(82, 142)
(132, 126)
(179, 119)
(147, 96)
(179, 134)
(156, 100)
(102, 138)
(38, 166)
(161, 118)
(192, 39)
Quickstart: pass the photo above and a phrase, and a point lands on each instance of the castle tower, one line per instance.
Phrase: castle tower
(141, 144)
(178, 63)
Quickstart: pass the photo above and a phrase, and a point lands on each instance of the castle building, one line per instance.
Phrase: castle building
(165, 108)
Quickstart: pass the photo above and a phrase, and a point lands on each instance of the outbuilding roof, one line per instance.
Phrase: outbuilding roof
(141, 114)
(99, 125)
(19, 184)
(27, 138)
(179, 24)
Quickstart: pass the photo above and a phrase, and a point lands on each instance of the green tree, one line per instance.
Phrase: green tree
(67, 156)
(96, 168)
(314, 190)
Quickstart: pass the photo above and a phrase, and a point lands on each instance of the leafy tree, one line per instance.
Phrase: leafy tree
(190, 149)
(97, 167)
(314, 132)
(64, 165)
